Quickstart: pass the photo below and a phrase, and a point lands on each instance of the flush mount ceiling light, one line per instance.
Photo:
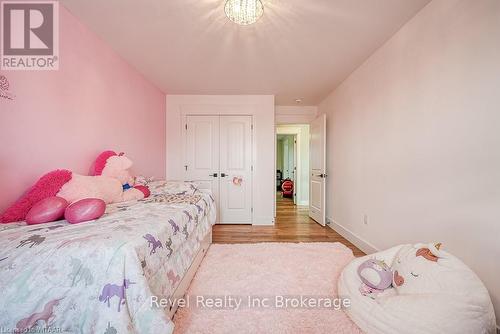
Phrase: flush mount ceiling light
(244, 12)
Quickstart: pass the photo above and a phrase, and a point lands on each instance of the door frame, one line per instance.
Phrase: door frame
(300, 134)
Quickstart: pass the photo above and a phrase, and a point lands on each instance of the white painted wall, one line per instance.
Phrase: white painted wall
(414, 138)
(261, 107)
(295, 114)
(302, 133)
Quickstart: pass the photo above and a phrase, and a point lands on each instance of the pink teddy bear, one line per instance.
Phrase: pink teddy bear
(110, 182)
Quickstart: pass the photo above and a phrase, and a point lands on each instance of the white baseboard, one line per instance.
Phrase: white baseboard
(263, 221)
(356, 240)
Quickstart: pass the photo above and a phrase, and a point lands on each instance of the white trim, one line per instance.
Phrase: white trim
(359, 242)
(263, 221)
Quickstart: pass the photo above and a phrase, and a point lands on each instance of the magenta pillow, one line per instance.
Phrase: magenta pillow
(47, 210)
(85, 210)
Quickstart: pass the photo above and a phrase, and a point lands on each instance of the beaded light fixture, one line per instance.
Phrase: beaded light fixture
(244, 12)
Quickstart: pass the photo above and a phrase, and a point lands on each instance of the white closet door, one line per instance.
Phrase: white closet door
(202, 152)
(236, 169)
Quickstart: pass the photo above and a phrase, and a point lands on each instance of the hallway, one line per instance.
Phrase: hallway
(292, 225)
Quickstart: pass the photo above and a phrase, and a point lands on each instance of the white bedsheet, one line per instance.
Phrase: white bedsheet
(99, 276)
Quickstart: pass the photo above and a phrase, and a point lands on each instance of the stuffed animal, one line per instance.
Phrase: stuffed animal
(432, 292)
(110, 182)
(437, 285)
(426, 267)
(376, 274)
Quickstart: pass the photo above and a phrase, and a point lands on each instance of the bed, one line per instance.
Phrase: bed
(103, 276)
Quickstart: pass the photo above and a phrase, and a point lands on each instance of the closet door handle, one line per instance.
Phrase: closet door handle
(213, 175)
(222, 175)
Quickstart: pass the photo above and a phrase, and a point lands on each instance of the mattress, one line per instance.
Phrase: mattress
(101, 276)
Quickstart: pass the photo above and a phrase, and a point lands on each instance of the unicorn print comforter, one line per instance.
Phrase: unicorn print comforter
(99, 277)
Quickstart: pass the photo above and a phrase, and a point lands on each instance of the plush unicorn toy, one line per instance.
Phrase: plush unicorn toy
(110, 182)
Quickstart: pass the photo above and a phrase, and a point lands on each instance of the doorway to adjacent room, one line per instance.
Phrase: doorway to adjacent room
(301, 166)
(292, 164)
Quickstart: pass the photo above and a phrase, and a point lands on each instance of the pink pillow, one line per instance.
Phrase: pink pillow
(47, 210)
(85, 210)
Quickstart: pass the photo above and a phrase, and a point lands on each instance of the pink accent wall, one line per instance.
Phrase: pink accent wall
(64, 119)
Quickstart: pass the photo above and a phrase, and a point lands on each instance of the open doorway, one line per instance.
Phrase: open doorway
(286, 166)
(292, 164)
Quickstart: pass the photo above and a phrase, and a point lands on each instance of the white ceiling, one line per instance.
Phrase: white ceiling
(299, 49)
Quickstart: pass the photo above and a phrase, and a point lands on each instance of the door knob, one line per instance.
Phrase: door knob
(213, 175)
(223, 175)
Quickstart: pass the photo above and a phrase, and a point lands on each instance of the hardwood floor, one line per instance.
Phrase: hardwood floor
(292, 225)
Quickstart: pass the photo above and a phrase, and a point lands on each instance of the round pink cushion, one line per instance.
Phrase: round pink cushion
(85, 210)
(47, 210)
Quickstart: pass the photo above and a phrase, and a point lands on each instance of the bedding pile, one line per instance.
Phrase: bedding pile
(100, 276)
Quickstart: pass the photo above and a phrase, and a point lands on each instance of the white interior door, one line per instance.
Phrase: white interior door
(294, 169)
(286, 161)
(318, 170)
(202, 152)
(236, 169)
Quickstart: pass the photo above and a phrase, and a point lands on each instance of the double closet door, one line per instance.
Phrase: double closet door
(218, 156)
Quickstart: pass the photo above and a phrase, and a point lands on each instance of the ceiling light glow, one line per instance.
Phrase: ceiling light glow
(244, 12)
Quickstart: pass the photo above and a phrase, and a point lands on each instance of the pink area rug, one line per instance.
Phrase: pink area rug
(272, 274)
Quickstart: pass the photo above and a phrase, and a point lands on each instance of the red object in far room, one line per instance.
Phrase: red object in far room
(287, 188)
